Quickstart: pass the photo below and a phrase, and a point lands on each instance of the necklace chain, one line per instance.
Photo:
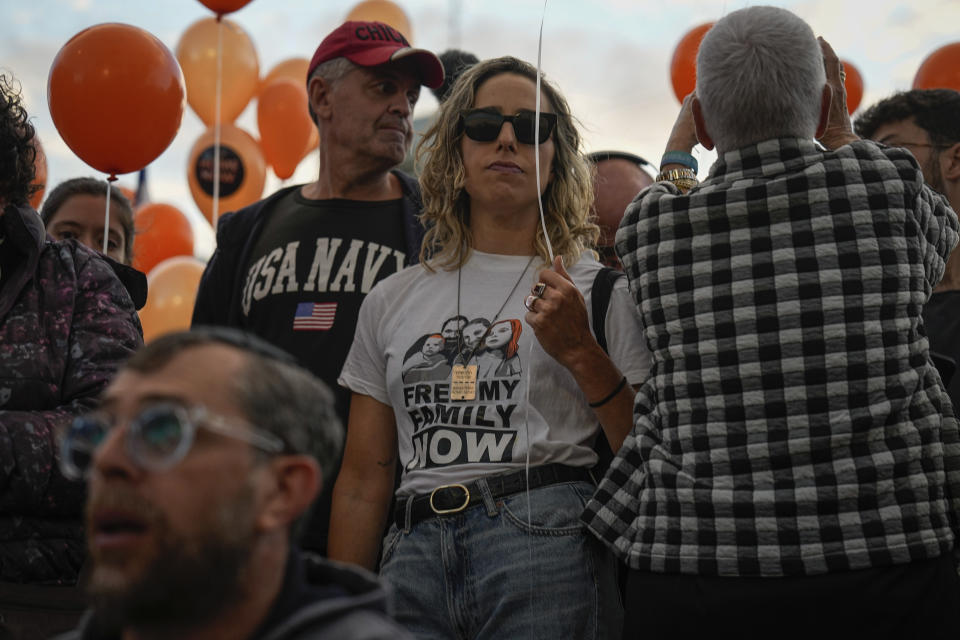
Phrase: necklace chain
(492, 322)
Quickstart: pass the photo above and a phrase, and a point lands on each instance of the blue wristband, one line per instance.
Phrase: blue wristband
(680, 157)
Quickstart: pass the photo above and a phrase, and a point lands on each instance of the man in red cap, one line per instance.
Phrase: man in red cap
(294, 268)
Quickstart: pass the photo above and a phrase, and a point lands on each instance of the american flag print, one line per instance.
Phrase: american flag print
(313, 316)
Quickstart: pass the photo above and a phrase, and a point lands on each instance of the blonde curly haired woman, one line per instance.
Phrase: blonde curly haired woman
(486, 540)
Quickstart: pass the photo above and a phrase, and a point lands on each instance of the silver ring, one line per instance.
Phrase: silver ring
(528, 302)
(843, 76)
(538, 289)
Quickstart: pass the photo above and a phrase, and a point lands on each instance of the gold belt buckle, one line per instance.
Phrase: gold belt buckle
(466, 499)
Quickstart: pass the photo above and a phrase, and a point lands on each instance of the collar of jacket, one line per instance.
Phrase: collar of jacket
(24, 234)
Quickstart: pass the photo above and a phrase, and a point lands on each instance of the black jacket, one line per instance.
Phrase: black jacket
(66, 325)
(320, 600)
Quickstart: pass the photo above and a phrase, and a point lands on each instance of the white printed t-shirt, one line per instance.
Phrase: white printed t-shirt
(395, 358)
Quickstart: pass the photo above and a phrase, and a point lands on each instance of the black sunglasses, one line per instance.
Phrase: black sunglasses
(484, 126)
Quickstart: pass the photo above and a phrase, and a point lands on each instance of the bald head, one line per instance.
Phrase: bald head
(617, 183)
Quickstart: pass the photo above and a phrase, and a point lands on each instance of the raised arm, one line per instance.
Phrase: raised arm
(559, 319)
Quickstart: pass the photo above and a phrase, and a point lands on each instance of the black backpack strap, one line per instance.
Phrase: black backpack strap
(600, 300)
(603, 284)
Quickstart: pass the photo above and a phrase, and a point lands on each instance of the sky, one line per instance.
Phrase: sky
(609, 57)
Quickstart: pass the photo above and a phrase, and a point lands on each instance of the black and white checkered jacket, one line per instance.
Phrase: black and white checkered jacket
(793, 423)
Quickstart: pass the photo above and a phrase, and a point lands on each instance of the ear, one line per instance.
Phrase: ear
(701, 127)
(950, 162)
(294, 484)
(825, 100)
(318, 94)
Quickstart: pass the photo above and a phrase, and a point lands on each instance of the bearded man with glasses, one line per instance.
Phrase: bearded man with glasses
(926, 122)
(207, 449)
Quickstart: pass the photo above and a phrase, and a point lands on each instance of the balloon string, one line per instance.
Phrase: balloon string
(216, 125)
(546, 236)
(536, 137)
(106, 215)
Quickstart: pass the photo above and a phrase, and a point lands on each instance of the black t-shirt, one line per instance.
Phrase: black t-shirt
(309, 271)
(941, 318)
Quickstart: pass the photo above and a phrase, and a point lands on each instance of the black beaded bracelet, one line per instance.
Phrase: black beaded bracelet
(620, 386)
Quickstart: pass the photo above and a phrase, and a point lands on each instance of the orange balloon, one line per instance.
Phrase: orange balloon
(683, 66)
(40, 171)
(940, 70)
(116, 96)
(295, 69)
(221, 7)
(285, 125)
(197, 53)
(171, 292)
(162, 231)
(292, 68)
(853, 85)
(243, 170)
(383, 11)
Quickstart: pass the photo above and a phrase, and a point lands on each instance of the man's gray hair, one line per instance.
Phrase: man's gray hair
(273, 392)
(294, 405)
(332, 71)
(759, 76)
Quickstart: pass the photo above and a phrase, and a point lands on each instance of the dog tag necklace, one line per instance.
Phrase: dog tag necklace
(463, 376)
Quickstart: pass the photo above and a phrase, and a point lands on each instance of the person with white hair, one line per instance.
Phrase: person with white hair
(794, 467)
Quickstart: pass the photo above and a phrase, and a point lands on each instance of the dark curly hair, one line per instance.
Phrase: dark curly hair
(936, 111)
(17, 153)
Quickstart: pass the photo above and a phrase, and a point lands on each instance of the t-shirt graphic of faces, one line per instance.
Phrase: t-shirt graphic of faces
(492, 348)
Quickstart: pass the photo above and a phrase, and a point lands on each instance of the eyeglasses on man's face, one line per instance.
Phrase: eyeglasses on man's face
(158, 438)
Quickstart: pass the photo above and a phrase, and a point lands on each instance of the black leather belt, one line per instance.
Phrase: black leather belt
(451, 499)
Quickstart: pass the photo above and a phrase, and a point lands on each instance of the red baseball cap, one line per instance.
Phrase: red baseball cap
(370, 44)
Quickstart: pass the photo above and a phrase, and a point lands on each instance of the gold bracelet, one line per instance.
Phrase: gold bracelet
(684, 179)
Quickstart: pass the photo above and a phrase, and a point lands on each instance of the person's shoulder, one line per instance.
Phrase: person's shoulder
(881, 169)
(651, 200)
(872, 154)
(408, 183)
(399, 284)
(239, 222)
(585, 269)
(74, 257)
(358, 605)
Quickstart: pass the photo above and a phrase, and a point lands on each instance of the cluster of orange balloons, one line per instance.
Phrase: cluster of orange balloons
(287, 132)
(164, 237)
(164, 246)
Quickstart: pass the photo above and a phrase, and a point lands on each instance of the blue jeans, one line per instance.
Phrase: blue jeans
(488, 573)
